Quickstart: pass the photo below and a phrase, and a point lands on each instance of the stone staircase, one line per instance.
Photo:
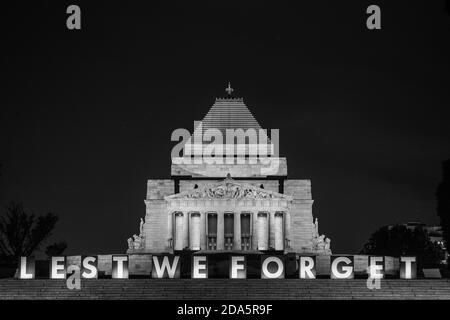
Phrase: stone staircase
(318, 289)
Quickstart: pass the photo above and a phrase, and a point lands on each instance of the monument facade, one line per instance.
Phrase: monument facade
(236, 205)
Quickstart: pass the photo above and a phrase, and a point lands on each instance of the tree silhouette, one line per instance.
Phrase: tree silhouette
(21, 233)
(55, 249)
(398, 240)
(443, 202)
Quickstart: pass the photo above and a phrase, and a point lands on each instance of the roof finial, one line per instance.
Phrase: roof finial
(229, 90)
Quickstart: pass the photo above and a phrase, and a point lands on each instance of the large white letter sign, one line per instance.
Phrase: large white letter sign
(408, 268)
(89, 268)
(58, 268)
(272, 267)
(376, 267)
(342, 267)
(238, 268)
(120, 267)
(27, 268)
(307, 268)
(199, 267)
(165, 267)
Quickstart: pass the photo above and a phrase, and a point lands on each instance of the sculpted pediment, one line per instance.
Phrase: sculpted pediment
(229, 189)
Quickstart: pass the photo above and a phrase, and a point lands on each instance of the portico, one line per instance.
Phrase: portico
(228, 216)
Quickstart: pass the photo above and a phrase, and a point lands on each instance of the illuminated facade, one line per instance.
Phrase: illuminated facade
(238, 206)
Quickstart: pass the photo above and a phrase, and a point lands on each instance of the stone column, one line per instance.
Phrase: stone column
(278, 231)
(194, 231)
(237, 231)
(263, 231)
(287, 228)
(170, 233)
(271, 229)
(203, 238)
(254, 231)
(220, 231)
(186, 230)
(178, 241)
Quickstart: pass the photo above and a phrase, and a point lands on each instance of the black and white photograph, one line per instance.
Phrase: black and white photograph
(225, 159)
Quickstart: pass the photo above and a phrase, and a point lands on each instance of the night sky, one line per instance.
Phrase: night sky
(86, 116)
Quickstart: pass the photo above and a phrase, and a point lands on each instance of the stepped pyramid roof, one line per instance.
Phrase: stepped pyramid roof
(229, 113)
(245, 153)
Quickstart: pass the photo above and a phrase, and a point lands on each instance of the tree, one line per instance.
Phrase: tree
(443, 202)
(398, 240)
(22, 233)
(56, 249)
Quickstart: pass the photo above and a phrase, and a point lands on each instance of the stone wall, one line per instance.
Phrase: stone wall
(301, 226)
(159, 188)
(221, 170)
(298, 189)
(156, 226)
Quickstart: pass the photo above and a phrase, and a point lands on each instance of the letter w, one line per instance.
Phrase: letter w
(165, 266)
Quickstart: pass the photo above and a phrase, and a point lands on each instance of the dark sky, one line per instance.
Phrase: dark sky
(86, 116)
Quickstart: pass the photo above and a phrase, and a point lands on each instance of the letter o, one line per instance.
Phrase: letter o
(265, 271)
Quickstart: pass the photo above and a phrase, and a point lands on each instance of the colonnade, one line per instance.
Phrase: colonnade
(212, 230)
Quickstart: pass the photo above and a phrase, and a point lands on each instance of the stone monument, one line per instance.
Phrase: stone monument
(232, 206)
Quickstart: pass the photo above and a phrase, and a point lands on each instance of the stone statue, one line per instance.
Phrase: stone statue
(141, 228)
(315, 242)
(316, 226)
(319, 242)
(327, 243)
(137, 242)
